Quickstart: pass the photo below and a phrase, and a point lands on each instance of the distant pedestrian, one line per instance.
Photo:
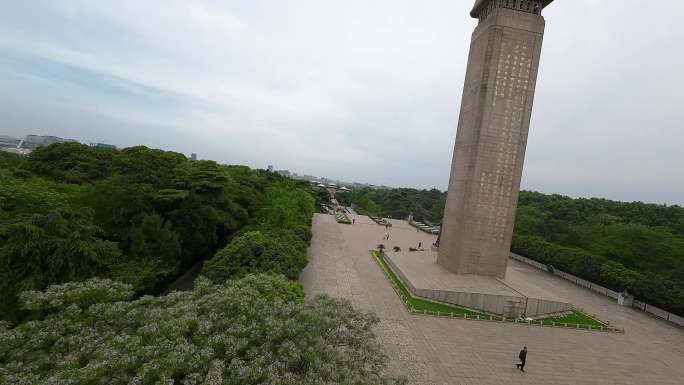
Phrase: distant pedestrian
(420, 244)
(353, 220)
(523, 359)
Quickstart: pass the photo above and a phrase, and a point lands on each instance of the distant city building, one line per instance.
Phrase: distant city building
(29, 143)
(103, 145)
(8, 141)
(15, 150)
(315, 180)
(32, 142)
(193, 156)
(285, 173)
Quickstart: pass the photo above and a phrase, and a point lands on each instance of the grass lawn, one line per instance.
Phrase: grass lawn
(577, 317)
(424, 305)
(420, 304)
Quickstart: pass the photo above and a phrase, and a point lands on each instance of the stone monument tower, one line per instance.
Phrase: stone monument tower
(492, 135)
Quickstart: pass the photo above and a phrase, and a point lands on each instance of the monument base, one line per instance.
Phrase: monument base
(506, 297)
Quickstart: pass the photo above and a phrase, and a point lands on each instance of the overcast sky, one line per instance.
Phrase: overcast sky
(356, 90)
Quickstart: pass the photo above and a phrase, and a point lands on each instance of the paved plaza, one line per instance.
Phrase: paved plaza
(431, 351)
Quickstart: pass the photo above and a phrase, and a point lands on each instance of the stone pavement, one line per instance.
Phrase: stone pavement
(432, 351)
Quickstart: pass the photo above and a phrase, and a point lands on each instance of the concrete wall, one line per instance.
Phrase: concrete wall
(537, 307)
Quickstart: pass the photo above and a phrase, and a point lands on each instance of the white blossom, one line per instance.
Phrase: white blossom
(249, 331)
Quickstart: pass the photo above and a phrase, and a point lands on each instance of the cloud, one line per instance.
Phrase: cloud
(355, 90)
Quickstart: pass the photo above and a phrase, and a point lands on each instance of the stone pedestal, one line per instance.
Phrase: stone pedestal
(491, 295)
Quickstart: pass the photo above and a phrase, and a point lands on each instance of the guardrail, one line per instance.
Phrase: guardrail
(342, 217)
(646, 308)
(424, 227)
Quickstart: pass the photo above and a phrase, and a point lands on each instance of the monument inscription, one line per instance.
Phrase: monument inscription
(492, 135)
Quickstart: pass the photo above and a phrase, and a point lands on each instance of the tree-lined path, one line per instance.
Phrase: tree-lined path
(433, 351)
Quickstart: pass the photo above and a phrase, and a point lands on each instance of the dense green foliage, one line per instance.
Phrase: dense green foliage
(625, 246)
(634, 246)
(425, 205)
(40, 249)
(141, 216)
(257, 330)
(277, 243)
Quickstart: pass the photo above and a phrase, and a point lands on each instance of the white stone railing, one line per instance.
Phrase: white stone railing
(657, 312)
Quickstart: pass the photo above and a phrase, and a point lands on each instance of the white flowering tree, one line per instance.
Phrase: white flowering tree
(256, 330)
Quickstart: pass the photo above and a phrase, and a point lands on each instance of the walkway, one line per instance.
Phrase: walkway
(433, 351)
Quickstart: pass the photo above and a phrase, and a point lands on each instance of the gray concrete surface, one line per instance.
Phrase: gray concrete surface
(432, 351)
(425, 278)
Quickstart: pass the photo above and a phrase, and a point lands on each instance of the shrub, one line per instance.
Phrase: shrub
(258, 252)
(256, 330)
(277, 243)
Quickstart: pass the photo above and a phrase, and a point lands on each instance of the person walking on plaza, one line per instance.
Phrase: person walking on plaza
(523, 359)
(420, 244)
(353, 220)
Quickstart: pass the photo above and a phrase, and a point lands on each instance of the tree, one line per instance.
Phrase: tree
(198, 224)
(153, 254)
(152, 237)
(257, 330)
(530, 220)
(258, 252)
(38, 250)
(166, 212)
(148, 166)
(18, 196)
(618, 276)
(72, 162)
(287, 207)
(11, 163)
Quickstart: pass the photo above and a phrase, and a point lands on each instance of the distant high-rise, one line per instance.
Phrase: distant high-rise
(103, 145)
(32, 142)
(492, 136)
(9, 142)
(193, 156)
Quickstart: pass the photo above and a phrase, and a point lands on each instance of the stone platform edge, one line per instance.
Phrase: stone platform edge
(490, 318)
(502, 305)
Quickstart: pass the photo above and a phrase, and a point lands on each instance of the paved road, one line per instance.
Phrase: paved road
(433, 351)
